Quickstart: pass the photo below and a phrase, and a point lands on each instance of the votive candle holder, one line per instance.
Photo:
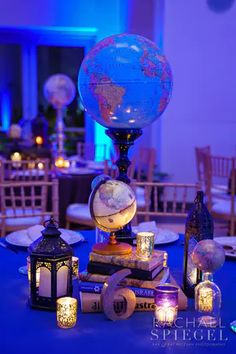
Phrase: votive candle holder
(66, 312)
(145, 245)
(75, 267)
(166, 300)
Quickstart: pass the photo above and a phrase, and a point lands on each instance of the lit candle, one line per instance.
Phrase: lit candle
(60, 162)
(166, 300)
(66, 312)
(39, 140)
(16, 158)
(75, 267)
(40, 166)
(145, 245)
(66, 163)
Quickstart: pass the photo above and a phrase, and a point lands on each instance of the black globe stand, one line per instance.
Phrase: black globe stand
(124, 139)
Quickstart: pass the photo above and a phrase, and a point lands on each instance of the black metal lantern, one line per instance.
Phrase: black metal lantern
(50, 268)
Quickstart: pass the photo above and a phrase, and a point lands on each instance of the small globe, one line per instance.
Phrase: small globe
(208, 255)
(112, 205)
(125, 82)
(59, 90)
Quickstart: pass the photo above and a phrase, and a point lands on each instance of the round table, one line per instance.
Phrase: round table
(33, 331)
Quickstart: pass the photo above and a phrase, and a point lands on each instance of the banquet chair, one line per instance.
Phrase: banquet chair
(90, 151)
(24, 204)
(142, 169)
(166, 203)
(220, 188)
(25, 170)
(200, 152)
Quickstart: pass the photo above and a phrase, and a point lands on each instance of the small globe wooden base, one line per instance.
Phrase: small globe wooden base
(117, 249)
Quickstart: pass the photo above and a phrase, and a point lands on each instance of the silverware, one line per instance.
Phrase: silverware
(8, 247)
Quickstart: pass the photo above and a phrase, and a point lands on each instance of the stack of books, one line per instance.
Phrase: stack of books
(145, 276)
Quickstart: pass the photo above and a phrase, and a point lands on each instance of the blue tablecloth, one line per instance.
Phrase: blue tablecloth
(28, 331)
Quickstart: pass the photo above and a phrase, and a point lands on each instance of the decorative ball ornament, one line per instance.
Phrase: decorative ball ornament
(208, 256)
(125, 82)
(59, 90)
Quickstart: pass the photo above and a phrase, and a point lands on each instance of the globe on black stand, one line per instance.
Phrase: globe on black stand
(124, 138)
(125, 84)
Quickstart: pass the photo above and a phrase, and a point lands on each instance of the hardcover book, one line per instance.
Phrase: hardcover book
(95, 287)
(150, 284)
(109, 269)
(91, 302)
(131, 260)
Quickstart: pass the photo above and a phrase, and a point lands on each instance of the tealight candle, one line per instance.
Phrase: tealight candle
(60, 162)
(145, 245)
(40, 166)
(66, 163)
(75, 267)
(66, 312)
(166, 300)
(16, 158)
(39, 140)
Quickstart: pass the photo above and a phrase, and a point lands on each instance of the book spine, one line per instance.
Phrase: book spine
(93, 304)
(96, 288)
(109, 269)
(131, 262)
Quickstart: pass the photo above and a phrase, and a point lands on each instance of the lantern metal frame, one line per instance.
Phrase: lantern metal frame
(50, 251)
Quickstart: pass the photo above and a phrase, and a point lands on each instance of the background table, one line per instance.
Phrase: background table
(28, 331)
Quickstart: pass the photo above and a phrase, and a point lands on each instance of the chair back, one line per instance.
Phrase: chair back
(24, 170)
(200, 153)
(166, 199)
(142, 166)
(28, 199)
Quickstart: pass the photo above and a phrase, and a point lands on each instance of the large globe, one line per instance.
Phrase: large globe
(59, 90)
(112, 204)
(125, 82)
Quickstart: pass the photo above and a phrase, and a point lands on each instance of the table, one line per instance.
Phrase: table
(28, 331)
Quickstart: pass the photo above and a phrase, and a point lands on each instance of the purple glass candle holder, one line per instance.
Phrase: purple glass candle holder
(166, 300)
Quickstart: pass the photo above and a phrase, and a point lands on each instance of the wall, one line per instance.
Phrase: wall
(200, 45)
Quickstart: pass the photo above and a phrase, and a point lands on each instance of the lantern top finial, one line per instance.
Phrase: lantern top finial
(50, 244)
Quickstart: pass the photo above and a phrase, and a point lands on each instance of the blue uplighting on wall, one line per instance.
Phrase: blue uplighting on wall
(5, 110)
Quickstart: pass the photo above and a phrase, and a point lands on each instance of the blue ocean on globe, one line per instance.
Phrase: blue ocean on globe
(125, 82)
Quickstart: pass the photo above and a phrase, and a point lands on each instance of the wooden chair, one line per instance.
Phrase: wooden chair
(24, 204)
(167, 203)
(200, 153)
(142, 169)
(90, 151)
(25, 170)
(220, 175)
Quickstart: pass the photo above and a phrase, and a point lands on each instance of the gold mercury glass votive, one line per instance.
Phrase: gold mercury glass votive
(145, 245)
(75, 267)
(66, 312)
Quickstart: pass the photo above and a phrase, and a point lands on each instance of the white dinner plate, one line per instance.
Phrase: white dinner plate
(162, 236)
(77, 171)
(229, 244)
(24, 238)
